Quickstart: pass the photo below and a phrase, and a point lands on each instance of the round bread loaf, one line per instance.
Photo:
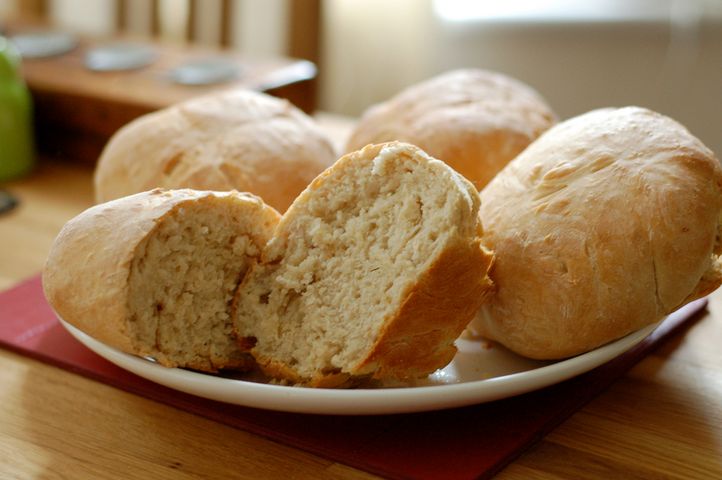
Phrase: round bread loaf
(153, 274)
(605, 224)
(474, 120)
(233, 140)
(374, 270)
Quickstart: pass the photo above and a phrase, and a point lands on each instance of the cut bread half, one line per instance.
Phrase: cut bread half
(153, 274)
(374, 271)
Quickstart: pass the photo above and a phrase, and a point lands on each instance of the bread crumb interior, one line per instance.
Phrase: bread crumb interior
(182, 281)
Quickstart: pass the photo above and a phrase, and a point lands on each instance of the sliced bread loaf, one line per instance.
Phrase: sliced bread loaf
(153, 274)
(374, 271)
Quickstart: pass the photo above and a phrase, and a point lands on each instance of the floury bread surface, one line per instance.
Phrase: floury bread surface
(474, 120)
(605, 224)
(153, 274)
(233, 140)
(375, 270)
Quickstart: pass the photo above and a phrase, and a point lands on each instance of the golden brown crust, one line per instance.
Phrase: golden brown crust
(474, 120)
(279, 370)
(414, 343)
(86, 275)
(711, 280)
(234, 140)
(243, 362)
(605, 224)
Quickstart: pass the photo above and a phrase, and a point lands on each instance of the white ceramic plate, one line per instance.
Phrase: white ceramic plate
(205, 71)
(118, 57)
(44, 44)
(479, 373)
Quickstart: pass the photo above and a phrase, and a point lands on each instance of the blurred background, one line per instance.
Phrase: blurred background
(580, 55)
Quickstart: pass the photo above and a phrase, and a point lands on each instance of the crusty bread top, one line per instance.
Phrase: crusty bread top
(474, 120)
(233, 140)
(606, 223)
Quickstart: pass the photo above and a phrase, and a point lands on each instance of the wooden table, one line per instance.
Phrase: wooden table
(662, 420)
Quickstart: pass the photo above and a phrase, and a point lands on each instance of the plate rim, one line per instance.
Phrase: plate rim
(360, 401)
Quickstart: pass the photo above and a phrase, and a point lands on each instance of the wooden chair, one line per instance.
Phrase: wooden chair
(303, 22)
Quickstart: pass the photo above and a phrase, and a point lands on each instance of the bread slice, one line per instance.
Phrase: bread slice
(153, 274)
(375, 270)
(608, 222)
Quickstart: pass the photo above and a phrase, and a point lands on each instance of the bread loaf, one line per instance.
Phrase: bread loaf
(605, 224)
(374, 271)
(233, 140)
(474, 120)
(153, 274)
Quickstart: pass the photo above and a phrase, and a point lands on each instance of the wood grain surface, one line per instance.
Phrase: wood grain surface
(663, 420)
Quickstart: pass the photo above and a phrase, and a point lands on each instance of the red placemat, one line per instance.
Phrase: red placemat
(470, 442)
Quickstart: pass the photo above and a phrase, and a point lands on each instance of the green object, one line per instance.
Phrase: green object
(16, 138)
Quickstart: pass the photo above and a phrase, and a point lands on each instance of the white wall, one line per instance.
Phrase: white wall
(665, 55)
(262, 27)
(7, 7)
(89, 17)
(371, 48)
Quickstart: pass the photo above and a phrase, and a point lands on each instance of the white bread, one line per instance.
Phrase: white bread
(605, 224)
(474, 120)
(232, 140)
(374, 271)
(153, 274)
